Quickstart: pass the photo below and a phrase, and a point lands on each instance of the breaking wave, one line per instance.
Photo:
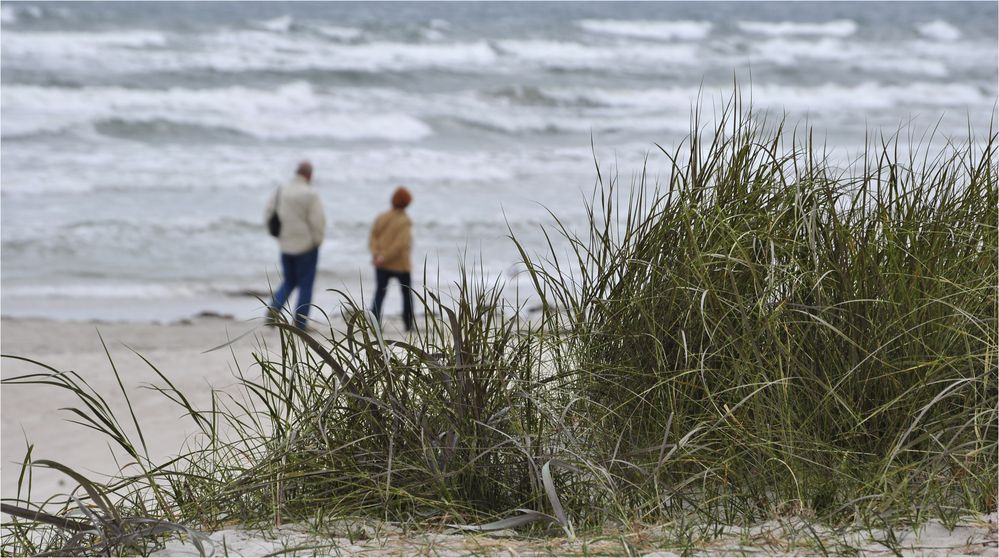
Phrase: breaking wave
(837, 28)
(661, 30)
(294, 110)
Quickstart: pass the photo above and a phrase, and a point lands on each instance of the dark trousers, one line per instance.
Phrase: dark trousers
(299, 273)
(382, 277)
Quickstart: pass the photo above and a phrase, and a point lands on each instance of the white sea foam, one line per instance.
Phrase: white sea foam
(956, 54)
(919, 66)
(80, 52)
(117, 53)
(518, 123)
(837, 28)
(280, 24)
(100, 290)
(233, 51)
(663, 30)
(919, 57)
(226, 52)
(286, 23)
(939, 30)
(828, 98)
(331, 48)
(679, 98)
(790, 51)
(297, 110)
(834, 98)
(432, 34)
(338, 33)
(215, 169)
(39, 45)
(572, 55)
(794, 52)
(291, 111)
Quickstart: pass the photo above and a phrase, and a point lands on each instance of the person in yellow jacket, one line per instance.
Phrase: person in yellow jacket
(390, 242)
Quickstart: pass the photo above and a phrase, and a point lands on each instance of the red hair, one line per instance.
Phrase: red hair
(401, 198)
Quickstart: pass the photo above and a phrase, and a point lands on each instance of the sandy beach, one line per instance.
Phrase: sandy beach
(31, 414)
(973, 536)
(181, 350)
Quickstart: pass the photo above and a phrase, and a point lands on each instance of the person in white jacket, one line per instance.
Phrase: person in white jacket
(303, 226)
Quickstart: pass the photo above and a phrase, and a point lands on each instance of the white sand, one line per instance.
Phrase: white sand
(973, 536)
(32, 412)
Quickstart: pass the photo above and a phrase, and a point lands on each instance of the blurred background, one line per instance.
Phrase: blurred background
(141, 140)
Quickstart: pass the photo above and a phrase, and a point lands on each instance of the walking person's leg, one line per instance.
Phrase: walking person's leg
(405, 281)
(381, 286)
(288, 281)
(306, 265)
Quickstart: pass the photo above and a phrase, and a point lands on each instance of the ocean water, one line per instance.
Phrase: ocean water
(140, 140)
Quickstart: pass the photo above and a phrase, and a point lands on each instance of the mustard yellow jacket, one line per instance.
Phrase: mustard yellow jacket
(391, 238)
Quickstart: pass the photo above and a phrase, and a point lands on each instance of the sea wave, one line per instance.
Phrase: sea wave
(217, 168)
(146, 52)
(80, 55)
(939, 30)
(11, 13)
(281, 24)
(576, 56)
(518, 124)
(338, 32)
(872, 95)
(287, 24)
(827, 98)
(86, 234)
(290, 111)
(226, 52)
(46, 45)
(662, 30)
(327, 49)
(100, 289)
(911, 59)
(837, 28)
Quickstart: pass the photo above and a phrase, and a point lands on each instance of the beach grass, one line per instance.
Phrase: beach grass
(755, 333)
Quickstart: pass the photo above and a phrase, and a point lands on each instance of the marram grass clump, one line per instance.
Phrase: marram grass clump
(786, 335)
(751, 333)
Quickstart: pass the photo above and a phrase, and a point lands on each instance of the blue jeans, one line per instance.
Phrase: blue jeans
(299, 273)
(382, 277)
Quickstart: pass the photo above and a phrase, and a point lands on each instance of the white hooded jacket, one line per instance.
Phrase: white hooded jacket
(303, 222)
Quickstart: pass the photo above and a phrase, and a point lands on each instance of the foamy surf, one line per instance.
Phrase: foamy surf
(662, 30)
(293, 110)
(837, 28)
(939, 30)
(475, 107)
